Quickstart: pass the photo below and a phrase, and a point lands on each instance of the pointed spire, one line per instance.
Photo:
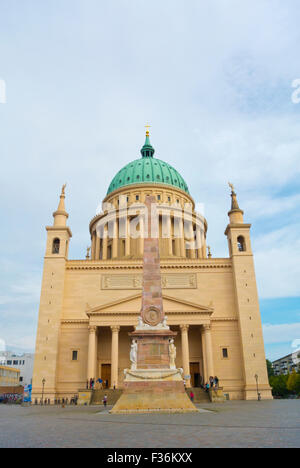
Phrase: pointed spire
(147, 150)
(235, 214)
(60, 215)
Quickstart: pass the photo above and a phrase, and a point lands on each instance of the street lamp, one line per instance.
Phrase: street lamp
(258, 394)
(43, 382)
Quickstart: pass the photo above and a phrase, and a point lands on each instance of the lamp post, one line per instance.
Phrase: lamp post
(43, 382)
(258, 394)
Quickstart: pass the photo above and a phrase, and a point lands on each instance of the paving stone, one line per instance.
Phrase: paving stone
(233, 424)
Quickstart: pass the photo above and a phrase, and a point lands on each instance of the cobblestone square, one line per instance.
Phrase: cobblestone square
(233, 424)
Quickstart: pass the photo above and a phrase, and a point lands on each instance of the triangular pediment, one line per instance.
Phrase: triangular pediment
(132, 304)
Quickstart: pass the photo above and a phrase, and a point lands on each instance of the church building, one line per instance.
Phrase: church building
(89, 306)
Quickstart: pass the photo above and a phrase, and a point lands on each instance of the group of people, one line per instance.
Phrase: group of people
(212, 383)
(90, 384)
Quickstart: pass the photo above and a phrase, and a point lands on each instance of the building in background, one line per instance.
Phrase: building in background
(22, 362)
(9, 377)
(286, 364)
(88, 306)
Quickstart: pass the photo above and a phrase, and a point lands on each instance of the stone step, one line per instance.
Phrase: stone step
(112, 396)
(200, 395)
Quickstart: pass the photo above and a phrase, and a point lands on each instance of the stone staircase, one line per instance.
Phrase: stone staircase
(112, 396)
(200, 395)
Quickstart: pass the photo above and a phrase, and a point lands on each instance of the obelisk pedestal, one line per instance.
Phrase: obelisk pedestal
(153, 384)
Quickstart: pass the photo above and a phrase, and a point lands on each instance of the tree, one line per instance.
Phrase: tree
(293, 383)
(270, 369)
(279, 385)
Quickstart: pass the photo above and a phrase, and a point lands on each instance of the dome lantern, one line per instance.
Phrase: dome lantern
(147, 150)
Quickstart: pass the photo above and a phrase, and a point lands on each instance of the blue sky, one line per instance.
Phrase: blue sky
(214, 79)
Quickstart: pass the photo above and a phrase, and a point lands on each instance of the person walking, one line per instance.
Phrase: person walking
(105, 400)
(211, 381)
(192, 395)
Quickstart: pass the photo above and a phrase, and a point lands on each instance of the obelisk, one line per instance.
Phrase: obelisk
(153, 383)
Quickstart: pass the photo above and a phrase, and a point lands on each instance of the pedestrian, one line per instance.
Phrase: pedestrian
(105, 400)
(184, 383)
(216, 381)
(91, 383)
(211, 381)
(207, 387)
(192, 396)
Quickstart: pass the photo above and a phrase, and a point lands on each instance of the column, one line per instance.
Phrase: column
(204, 253)
(104, 248)
(209, 351)
(199, 241)
(127, 238)
(92, 353)
(114, 355)
(182, 238)
(115, 240)
(167, 231)
(177, 235)
(192, 241)
(93, 245)
(185, 352)
(141, 238)
(97, 254)
(205, 376)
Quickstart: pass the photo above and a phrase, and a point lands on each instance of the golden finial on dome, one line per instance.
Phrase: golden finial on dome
(147, 127)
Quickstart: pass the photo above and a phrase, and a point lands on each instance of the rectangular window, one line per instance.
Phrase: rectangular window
(9, 363)
(137, 197)
(225, 353)
(15, 363)
(74, 355)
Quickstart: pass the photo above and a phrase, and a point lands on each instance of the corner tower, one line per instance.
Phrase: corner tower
(246, 297)
(51, 303)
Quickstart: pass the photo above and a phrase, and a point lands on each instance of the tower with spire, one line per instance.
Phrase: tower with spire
(51, 303)
(246, 298)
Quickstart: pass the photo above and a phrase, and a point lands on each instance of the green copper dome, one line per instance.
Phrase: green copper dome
(147, 170)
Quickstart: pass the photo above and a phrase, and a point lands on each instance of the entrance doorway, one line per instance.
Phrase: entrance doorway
(106, 375)
(195, 374)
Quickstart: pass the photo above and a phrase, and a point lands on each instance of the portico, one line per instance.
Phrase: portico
(108, 335)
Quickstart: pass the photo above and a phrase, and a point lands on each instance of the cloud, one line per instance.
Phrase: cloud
(214, 79)
(282, 333)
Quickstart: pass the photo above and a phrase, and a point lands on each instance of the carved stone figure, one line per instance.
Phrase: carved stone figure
(172, 354)
(133, 354)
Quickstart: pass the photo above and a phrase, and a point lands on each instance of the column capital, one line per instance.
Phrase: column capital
(206, 327)
(92, 328)
(184, 328)
(115, 328)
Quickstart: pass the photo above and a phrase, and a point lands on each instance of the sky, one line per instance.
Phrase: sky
(79, 79)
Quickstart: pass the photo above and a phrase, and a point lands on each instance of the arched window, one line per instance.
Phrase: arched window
(241, 244)
(55, 246)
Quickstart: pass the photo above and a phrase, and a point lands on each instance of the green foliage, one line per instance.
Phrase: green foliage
(293, 383)
(285, 385)
(279, 385)
(270, 369)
